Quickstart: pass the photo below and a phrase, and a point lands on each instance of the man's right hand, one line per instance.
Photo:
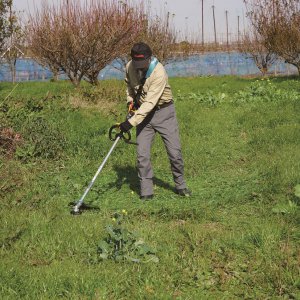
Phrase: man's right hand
(130, 105)
(125, 126)
(131, 110)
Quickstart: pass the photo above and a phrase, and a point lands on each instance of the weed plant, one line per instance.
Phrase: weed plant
(237, 237)
(122, 244)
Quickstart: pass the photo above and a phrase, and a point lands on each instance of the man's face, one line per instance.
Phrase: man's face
(142, 71)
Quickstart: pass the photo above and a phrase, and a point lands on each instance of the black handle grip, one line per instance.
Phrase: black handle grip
(115, 132)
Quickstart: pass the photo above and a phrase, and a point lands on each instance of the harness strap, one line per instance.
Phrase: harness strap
(153, 64)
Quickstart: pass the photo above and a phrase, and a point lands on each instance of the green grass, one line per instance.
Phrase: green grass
(237, 237)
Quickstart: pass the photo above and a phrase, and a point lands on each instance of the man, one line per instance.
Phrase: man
(149, 92)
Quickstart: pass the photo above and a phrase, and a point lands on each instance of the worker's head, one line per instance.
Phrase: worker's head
(141, 56)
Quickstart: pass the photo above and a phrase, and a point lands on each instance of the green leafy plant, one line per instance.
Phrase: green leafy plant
(263, 91)
(285, 208)
(122, 244)
(210, 98)
(290, 206)
(297, 190)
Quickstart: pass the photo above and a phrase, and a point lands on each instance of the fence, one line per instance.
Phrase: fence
(212, 63)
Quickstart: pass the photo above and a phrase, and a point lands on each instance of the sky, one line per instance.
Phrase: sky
(186, 15)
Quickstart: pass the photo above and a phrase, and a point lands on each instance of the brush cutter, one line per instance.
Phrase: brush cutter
(114, 135)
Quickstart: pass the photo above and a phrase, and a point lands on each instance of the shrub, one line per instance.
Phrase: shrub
(42, 139)
(28, 132)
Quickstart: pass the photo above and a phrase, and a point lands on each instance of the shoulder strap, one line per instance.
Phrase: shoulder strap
(153, 64)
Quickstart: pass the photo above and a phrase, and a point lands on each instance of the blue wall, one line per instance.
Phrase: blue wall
(218, 63)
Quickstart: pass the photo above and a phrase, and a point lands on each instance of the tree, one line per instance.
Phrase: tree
(11, 36)
(14, 42)
(159, 33)
(81, 39)
(253, 46)
(4, 25)
(287, 42)
(278, 23)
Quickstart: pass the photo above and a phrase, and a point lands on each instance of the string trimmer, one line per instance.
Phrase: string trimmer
(114, 135)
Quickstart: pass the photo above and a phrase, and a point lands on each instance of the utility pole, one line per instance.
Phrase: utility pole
(68, 8)
(202, 25)
(213, 8)
(186, 29)
(227, 41)
(244, 25)
(238, 29)
(168, 21)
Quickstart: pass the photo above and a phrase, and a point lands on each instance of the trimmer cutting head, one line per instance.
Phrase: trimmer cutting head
(78, 209)
(76, 212)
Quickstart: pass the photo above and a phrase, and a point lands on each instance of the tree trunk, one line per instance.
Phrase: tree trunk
(294, 63)
(264, 70)
(14, 70)
(12, 67)
(75, 81)
(298, 68)
(74, 77)
(95, 81)
(55, 74)
(92, 78)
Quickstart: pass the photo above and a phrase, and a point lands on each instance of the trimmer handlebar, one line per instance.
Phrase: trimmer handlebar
(115, 132)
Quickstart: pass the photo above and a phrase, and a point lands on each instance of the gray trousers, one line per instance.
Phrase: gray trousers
(165, 123)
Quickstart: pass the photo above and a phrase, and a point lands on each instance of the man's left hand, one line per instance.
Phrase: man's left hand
(125, 126)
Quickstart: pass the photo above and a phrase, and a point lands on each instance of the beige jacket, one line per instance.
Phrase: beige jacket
(156, 91)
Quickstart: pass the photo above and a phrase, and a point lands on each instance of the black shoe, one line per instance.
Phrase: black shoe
(146, 198)
(184, 192)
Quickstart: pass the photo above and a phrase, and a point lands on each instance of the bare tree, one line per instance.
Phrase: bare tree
(278, 23)
(81, 39)
(252, 44)
(56, 40)
(119, 26)
(4, 22)
(287, 43)
(160, 34)
(14, 42)
(11, 36)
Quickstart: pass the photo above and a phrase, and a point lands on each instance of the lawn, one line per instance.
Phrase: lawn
(237, 237)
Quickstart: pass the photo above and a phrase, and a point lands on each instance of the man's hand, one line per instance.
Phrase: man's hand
(125, 126)
(130, 110)
(130, 104)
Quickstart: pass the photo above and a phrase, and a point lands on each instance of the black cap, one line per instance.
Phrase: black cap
(140, 54)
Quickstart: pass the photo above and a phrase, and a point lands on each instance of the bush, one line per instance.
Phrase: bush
(43, 139)
(28, 131)
(111, 91)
